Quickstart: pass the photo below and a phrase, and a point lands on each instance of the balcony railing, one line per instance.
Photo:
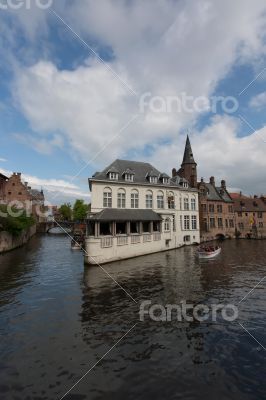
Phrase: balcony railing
(157, 236)
(135, 239)
(106, 241)
(147, 237)
(122, 240)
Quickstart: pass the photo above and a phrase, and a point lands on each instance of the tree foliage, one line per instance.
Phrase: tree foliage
(15, 221)
(66, 211)
(80, 210)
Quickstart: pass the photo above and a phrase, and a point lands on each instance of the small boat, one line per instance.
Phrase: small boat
(75, 245)
(77, 242)
(206, 252)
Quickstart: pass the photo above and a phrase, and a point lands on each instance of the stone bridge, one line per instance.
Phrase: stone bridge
(46, 227)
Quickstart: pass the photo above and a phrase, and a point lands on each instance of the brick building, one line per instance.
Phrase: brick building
(250, 216)
(217, 218)
(3, 180)
(14, 190)
(216, 213)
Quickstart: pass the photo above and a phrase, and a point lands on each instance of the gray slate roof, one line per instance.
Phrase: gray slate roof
(188, 157)
(142, 171)
(118, 214)
(214, 193)
(36, 194)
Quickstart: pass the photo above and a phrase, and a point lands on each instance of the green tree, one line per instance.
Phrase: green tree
(80, 210)
(66, 211)
(14, 221)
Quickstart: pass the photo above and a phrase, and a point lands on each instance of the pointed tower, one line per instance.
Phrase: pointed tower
(188, 168)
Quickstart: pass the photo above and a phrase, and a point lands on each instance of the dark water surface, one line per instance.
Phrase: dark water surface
(58, 319)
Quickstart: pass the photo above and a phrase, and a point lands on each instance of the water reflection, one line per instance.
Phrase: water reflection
(58, 319)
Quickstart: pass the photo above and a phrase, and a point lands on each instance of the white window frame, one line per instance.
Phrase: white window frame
(107, 198)
(160, 201)
(134, 199)
(149, 200)
(167, 225)
(193, 204)
(153, 179)
(194, 225)
(113, 176)
(121, 199)
(129, 177)
(186, 203)
(186, 222)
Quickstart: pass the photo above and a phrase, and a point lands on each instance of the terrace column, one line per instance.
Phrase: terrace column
(113, 228)
(128, 228)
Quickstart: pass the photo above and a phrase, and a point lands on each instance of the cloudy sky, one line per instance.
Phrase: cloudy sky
(86, 82)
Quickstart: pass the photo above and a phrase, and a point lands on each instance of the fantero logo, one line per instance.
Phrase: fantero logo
(26, 4)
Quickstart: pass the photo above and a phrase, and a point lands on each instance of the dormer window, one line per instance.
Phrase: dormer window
(166, 181)
(153, 179)
(129, 177)
(113, 176)
(185, 185)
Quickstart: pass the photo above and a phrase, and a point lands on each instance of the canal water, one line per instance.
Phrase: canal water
(57, 319)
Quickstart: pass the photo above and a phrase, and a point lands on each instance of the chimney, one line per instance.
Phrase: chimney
(26, 184)
(29, 187)
(255, 196)
(212, 181)
(202, 180)
(223, 184)
(174, 173)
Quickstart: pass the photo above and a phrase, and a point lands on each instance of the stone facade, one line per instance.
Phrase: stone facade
(9, 242)
(137, 210)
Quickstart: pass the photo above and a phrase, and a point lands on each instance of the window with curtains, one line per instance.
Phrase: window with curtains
(134, 199)
(167, 224)
(149, 200)
(193, 204)
(121, 199)
(107, 198)
(186, 203)
(160, 200)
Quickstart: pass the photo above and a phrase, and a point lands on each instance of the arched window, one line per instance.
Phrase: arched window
(167, 225)
(160, 200)
(107, 197)
(149, 199)
(171, 200)
(134, 199)
(186, 203)
(121, 198)
(193, 204)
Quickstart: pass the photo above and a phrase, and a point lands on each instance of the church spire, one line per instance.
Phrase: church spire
(188, 168)
(188, 154)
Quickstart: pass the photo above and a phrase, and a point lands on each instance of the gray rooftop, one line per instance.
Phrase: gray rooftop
(142, 171)
(217, 193)
(118, 214)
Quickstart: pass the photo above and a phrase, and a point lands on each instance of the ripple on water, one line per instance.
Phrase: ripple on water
(58, 319)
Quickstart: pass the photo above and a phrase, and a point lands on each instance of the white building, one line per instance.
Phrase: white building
(137, 210)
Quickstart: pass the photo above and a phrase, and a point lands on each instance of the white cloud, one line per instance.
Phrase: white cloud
(259, 101)
(164, 47)
(219, 151)
(56, 190)
(3, 160)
